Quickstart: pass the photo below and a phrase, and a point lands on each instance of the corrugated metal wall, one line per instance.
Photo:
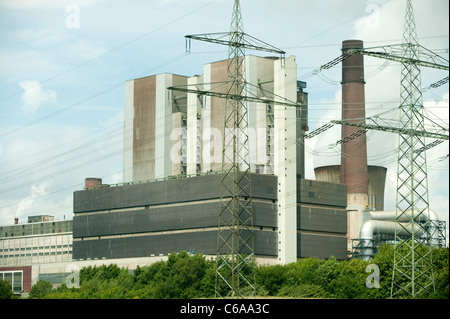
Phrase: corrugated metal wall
(182, 214)
(321, 219)
(164, 217)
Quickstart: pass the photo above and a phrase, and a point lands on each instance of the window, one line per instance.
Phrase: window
(15, 279)
(17, 282)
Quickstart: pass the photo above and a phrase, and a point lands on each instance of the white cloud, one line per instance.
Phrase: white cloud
(35, 97)
(44, 165)
(43, 36)
(29, 202)
(383, 92)
(85, 49)
(382, 23)
(16, 65)
(323, 147)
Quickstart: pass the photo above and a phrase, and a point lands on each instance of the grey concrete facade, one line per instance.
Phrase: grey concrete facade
(35, 242)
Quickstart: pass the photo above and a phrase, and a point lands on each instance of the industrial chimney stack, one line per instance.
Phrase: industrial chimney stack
(354, 153)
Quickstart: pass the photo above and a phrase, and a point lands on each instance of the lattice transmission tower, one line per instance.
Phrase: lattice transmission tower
(413, 270)
(235, 243)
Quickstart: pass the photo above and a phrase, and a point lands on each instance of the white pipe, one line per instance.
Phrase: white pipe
(371, 227)
(392, 215)
(386, 227)
(385, 222)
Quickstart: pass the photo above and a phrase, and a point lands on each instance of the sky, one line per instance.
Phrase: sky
(63, 67)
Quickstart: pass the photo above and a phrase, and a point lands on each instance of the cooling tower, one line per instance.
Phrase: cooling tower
(376, 182)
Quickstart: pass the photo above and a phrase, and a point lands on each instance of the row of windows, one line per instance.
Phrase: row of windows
(23, 226)
(37, 254)
(35, 248)
(31, 233)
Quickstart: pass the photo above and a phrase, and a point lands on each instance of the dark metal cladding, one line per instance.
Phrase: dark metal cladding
(166, 192)
(143, 246)
(321, 246)
(162, 217)
(321, 219)
(321, 193)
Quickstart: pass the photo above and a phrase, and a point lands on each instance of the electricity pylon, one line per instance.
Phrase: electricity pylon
(235, 243)
(413, 270)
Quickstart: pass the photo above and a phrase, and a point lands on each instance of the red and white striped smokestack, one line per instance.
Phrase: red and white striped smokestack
(354, 153)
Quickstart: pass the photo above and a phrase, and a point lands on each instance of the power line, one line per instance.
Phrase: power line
(113, 50)
(91, 97)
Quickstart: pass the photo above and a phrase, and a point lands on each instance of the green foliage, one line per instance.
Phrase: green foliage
(384, 259)
(102, 273)
(441, 273)
(40, 290)
(272, 278)
(5, 290)
(303, 291)
(192, 276)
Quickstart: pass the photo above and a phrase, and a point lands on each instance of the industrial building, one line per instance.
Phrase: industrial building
(169, 199)
(171, 133)
(172, 160)
(368, 224)
(157, 218)
(39, 241)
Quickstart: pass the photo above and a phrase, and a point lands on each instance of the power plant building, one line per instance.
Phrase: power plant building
(368, 224)
(169, 201)
(41, 240)
(172, 161)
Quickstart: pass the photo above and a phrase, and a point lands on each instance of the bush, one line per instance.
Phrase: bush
(40, 290)
(5, 290)
(303, 291)
(441, 272)
(271, 278)
(192, 276)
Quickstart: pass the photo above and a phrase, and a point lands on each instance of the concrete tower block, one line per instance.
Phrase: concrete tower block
(285, 85)
(193, 108)
(163, 127)
(128, 132)
(206, 121)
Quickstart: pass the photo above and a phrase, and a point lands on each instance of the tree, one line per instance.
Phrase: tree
(349, 282)
(5, 290)
(441, 272)
(384, 259)
(40, 290)
(303, 291)
(272, 278)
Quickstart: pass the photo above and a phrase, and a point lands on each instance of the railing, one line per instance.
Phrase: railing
(170, 177)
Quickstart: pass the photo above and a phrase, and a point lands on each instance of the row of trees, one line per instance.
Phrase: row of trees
(193, 276)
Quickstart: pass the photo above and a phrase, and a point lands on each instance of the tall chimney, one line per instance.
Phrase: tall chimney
(354, 153)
